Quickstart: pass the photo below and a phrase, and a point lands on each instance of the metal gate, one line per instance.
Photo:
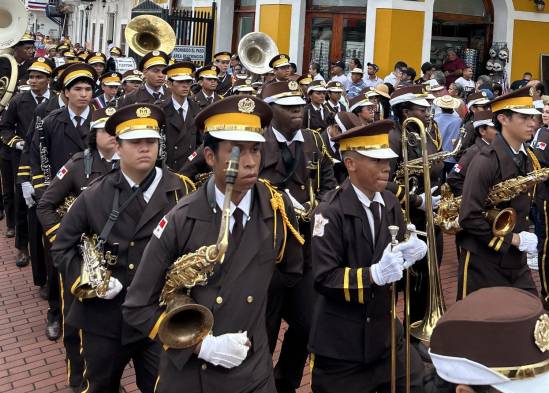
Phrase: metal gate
(192, 28)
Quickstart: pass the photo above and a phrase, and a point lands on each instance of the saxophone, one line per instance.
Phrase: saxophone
(185, 322)
(306, 213)
(95, 272)
(503, 221)
(65, 206)
(43, 149)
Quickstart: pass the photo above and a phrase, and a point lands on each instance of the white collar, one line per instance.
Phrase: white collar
(114, 157)
(363, 198)
(150, 191)
(522, 149)
(244, 205)
(316, 107)
(83, 115)
(46, 94)
(185, 105)
(152, 92)
(298, 137)
(61, 102)
(334, 106)
(207, 96)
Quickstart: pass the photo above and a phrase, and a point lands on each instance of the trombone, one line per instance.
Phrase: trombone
(435, 303)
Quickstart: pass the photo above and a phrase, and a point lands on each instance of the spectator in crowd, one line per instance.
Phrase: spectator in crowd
(439, 77)
(354, 63)
(456, 91)
(232, 65)
(466, 80)
(314, 70)
(395, 77)
(372, 80)
(427, 70)
(484, 83)
(338, 74)
(110, 45)
(452, 67)
(497, 89)
(449, 125)
(408, 77)
(526, 77)
(357, 83)
(539, 90)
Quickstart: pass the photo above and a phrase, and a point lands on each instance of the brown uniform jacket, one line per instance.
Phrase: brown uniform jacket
(132, 232)
(70, 182)
(236, 293)
(352, 316)
(202, 101)
(142, 96)
(340, 172)
(182, 137)
(491, 166)
(456, 177)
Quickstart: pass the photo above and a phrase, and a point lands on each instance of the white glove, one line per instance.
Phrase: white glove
(528, 242)
(20, 145)
(28, 192)
(412, 249)
(295, 202)
(389, 268)
(434, 198)
(227, 350)
(113, 289)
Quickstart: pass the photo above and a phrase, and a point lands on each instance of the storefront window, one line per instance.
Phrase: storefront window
(247, 3)
(354, 31)
(245, 25)
(321, 37)
(339, 3)
(474, 7)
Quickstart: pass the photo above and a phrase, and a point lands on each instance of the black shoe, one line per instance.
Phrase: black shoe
(422, 351)
(10, 232)
(53, 330)
(43, 292)
(22, 259)
(1, 215)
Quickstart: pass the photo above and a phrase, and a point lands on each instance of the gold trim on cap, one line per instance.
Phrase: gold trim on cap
(513, 103)
(366, 142)
(154, 61)
(233, 121)
(179, 71)
(523, 372)
(144, 123)
(280, 62)
(77, 74)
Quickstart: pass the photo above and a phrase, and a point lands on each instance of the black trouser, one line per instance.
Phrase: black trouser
(54, 290)
(295, 305)
(542, 229)
(36, 249)
(106, 358)
(334, 375)
(8, 192)
(71, 340)
(16, 209)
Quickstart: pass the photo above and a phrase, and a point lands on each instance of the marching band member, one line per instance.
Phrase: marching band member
(354, 264)
(182, 137)
(222, 60)
(131, 81)
(243, 87)
(316, 114)
(98, 158)
(152, 90)
(362, 107)
(335, 91)
(208, 79)
(304, 81)
(122, 209)
(281, 68)
(488, 259)
(98, 61)
(287, 154)
(235, 357)
(109, 84)
(111, 63)
(475, 102)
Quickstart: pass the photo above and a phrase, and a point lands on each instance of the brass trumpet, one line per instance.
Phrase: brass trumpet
(306, 213)
(186, 323)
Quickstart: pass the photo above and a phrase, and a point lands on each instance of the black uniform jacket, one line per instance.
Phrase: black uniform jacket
(456, 177)
(202, 101)
(15, 122)
(541, 150)
(236, 293)
(182, 137)
(340, 172)
(62, 139)
(69, 182)
(352, 316)
(224, 85)
(142, 96)
(42, 110)
(314, 119)
(491, 166)
(132, 232)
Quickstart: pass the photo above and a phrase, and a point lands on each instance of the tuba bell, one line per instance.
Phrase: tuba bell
(13, 24)
(146, 33)
(255, 51)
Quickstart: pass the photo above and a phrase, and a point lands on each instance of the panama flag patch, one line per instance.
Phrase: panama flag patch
(62, 172)
(541, 145)
(457, 168)
(160, 227)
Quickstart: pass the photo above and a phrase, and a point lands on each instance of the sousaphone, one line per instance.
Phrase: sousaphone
(255, 51)
(13, 24)
(146, 33)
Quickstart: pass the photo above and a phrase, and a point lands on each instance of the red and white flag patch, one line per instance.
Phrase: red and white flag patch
(62, 172)
(541, 145)
(192, 156)
(160, 227)
(457, 168)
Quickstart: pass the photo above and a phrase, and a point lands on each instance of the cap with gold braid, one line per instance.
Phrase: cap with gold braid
(154, 58)
(43, 65)
(413, 94)
(100, 116)
(96, 57)
(282, 93)
(180, 71)
(483, 118)
(28, 38)
(243, 85)
(116, 51)
(304, 80)
(495, 336)
(111, 79)
(210, 72)
(280, 60)
(137, 121)
(222, 56)
(318, 85)
(69, 55)
(61, 48)
(335, 87)
(520, 100)
(360, 101)
(132, 76)
(83, 55)
(236, 118)
(77, 71)
(371, 140)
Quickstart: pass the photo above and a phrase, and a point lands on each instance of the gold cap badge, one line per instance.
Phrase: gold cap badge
(110, 111)
(541, 333)
(292, 85)
(246, 105)
(143, 112)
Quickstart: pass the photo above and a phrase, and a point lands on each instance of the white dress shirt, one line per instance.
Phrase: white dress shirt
(61, 102)
(298, 137)
(152, 92)
(321, 109)
(244, 205)
(83, 115)
(46, 96)
(114, 156)
(185, 107)
(150, 191)
(365, 201)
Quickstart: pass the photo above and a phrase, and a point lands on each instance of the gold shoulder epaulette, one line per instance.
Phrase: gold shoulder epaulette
(189, 184)
(277, 204)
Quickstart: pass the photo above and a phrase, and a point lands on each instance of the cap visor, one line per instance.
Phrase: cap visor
(421, 102)
(140, 134)
(98, 124)
(282, 65)
(537, 384)
(378, 154)
(292, 100)
(238, 136)
(480, 101)
(527, 111)
(132, 79)
(335, 90)
(181, 78)
(113, 84)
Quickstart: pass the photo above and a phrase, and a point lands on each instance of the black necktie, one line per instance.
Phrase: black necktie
(336, 150)
(181, 113)
(521, 161)
(238, 227)
(375, 208)
(79, 122)
(157, 96)
(39, 99)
